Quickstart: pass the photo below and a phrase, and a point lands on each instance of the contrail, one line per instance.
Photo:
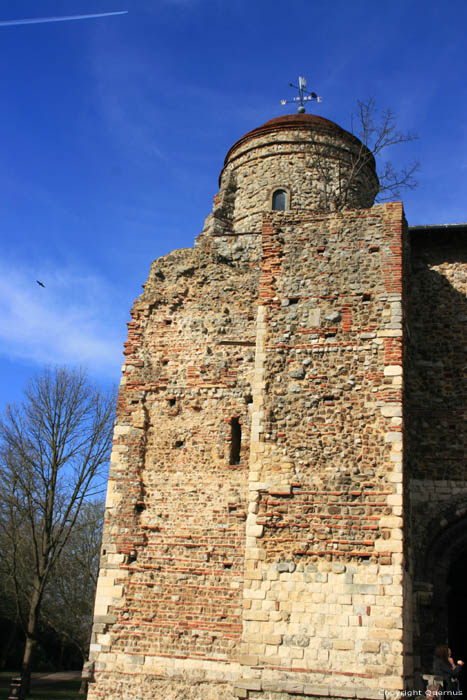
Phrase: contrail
(67, 18)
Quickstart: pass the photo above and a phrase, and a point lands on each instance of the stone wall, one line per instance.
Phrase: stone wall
(436, 430)
(173, 548)
(324, 576)
(253, 542)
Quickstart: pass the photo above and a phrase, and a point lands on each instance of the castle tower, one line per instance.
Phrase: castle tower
(316, 164)
(253, 544)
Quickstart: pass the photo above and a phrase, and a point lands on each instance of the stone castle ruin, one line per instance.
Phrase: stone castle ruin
(287, 500)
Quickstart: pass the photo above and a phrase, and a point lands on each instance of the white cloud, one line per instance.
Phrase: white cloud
(72, 320)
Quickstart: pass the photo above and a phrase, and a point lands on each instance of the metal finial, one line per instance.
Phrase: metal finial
(303, 95)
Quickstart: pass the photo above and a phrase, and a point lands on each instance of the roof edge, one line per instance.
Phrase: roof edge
(286, 122)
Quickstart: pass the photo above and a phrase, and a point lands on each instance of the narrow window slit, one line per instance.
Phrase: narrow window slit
(235, 441)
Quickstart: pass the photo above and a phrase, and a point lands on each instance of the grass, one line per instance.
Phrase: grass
(65, 690)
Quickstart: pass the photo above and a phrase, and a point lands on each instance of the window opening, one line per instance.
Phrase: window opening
(235, 441)
(279, 200)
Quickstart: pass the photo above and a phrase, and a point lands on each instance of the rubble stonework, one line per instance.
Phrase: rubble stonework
(256, 542)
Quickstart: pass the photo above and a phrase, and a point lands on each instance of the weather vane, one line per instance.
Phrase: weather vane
(303, 95)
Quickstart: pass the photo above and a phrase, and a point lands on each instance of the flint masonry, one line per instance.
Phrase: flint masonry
(287, 493)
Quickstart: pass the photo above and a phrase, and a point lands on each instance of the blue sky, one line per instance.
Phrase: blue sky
(114, 131)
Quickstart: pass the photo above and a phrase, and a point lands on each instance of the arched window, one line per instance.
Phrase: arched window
(279, 200)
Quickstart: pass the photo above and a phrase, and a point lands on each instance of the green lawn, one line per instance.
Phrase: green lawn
(66, 690)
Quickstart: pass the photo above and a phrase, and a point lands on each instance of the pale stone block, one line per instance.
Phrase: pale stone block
(363, 599)
(343, 644)
(392, 683)
(115, 559)
(259, 615)
(253, 575)
(392, 370)
(384, 634)
(252, 637)
(256, 649)
(257, 486)
(389, 333)
(254, 594)
(384, 622)
(315, 587)
(355, 621)
(120, 430)
(388, 546)
(393, 590)
(393, 437)
(320, 691)
(298, 608)
(341, 692)
(271, 650)
(248, 660)
(318, 598)
(394, 500)
(390, 521)
(397, 601)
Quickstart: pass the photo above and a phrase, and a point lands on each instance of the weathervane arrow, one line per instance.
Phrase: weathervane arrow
(303, 95)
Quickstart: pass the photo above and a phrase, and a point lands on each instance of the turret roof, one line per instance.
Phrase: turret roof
(291, 121)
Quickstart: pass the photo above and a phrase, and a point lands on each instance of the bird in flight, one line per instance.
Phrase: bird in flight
(63, 18)
(41, 284)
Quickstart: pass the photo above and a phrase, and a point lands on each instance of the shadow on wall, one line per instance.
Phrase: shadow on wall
(436, 429)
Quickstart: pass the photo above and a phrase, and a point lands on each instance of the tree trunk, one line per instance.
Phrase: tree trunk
(26, 667)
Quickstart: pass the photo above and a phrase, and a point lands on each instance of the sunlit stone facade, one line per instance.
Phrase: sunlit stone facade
(274, 465)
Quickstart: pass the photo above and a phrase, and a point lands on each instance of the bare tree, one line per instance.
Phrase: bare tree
(68, 602)
(341, 177)
(378, 134)
(53, 452)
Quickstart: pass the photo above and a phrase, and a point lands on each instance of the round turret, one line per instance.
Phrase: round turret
(294, 162)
